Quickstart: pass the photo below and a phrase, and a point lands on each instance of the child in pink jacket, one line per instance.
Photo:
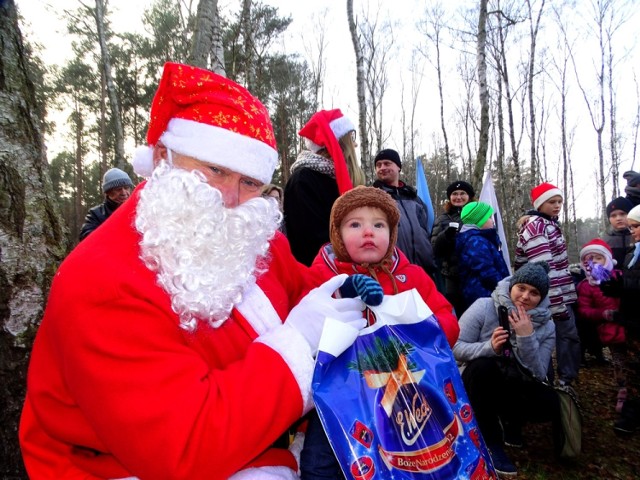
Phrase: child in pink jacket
(596, 260)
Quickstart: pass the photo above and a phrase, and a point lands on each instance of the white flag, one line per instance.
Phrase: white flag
(488, 195)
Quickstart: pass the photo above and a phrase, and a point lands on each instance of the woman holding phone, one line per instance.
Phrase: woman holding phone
(503, 367)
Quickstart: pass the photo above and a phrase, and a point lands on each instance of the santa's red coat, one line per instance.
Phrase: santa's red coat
(116, 389)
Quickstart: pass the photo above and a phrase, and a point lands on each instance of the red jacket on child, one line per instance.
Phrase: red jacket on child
(406, 276)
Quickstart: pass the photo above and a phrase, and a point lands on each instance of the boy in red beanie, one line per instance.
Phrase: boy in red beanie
(540, 239)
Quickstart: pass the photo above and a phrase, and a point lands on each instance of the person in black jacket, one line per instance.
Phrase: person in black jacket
(443, 239)
(117, 187)
(627, 288)
(618, 236)
(413, 233)
(322, 172)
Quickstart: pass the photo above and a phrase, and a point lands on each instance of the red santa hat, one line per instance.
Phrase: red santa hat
(542, 193)
(597, 246)
(200, 114)
(323, 130)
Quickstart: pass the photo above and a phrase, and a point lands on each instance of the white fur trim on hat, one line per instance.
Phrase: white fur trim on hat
(143, 161)
(219, 146)
(634, 214)
(591, 248)
(544, 196)
(341, 126)
(311, 145)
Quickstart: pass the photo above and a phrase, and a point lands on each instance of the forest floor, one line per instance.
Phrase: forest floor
(605, 455)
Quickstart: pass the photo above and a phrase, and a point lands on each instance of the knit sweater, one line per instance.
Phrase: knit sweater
(540, 239)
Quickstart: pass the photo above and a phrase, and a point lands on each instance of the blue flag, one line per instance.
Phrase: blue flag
(423, 193)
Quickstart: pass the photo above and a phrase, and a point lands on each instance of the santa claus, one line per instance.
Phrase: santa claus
(169, 347)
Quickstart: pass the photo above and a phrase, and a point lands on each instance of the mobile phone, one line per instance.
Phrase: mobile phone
(503, 318)
(454, 224)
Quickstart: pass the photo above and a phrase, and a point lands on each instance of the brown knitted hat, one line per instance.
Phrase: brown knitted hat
(362, 197)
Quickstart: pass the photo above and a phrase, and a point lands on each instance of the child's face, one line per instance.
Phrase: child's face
(594, 258)
(618, 219)
(365, 233)
(634, 228)
(552, 206)
(488, 224)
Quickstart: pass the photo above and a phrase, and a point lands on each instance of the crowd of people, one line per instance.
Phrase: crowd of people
(195, 359)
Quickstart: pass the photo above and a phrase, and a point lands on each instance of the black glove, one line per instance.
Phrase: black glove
(359, 285)
(451, 231)
(612, 287)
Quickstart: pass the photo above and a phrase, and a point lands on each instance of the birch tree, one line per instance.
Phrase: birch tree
(360, 81)
(483, 92)
(247, 31)
(206, 43)
(377, 43)
(432, 27)
(534, 26)
(114, 103)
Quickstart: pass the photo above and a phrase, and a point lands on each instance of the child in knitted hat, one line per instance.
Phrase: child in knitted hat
(618, 236)
(478, 248)
(540, 239)
(363, 231)
(596, 260)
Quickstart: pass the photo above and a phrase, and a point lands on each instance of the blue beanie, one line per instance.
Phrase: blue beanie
(115, 178)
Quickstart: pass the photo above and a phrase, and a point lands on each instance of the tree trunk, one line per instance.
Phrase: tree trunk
(111, 88)
(79, 173)
(32, 239)
(248, 45)
(362, 106)
(217, 52)
(515, 153)
(202, 41)
(533, 29)
(483, 146)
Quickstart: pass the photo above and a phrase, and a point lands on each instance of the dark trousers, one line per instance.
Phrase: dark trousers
(498, 399)
(317, 460)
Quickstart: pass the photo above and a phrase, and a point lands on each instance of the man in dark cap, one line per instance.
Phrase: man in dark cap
(117, 187)
(413, 234)
(618, 236)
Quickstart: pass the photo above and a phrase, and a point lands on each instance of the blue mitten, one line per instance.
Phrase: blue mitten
(359, 285)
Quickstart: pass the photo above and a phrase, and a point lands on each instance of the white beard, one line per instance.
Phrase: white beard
(205, 255)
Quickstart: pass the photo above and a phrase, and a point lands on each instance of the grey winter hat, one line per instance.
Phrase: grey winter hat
(114, 178)
(535, 274)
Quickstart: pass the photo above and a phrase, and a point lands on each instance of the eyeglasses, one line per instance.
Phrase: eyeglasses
(633, 227)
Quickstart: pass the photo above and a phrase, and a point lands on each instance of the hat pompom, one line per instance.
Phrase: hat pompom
(143, 161)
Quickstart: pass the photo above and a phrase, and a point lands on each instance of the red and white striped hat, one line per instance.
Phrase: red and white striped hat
(542, 193)
(198, 113)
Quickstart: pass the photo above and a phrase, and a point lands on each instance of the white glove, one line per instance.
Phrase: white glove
(309, 315)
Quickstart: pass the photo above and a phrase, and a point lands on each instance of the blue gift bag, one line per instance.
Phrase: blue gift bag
(391, 399)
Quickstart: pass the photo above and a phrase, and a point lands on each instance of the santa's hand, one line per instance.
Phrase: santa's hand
(368, 289)
(309, 315)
